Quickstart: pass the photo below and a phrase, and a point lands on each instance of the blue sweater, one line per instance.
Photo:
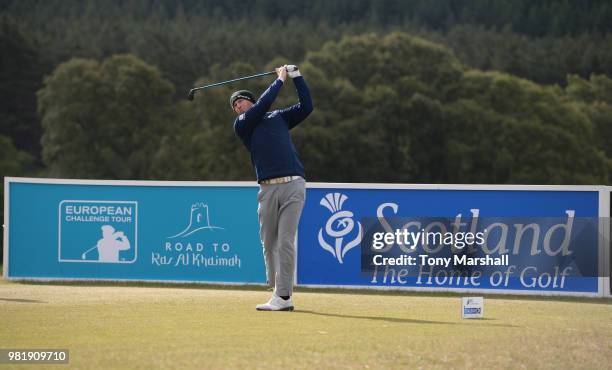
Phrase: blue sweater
(266, 134)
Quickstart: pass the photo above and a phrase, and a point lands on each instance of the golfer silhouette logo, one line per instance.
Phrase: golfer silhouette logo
(338, 226)
(110, 245)
(199, 219)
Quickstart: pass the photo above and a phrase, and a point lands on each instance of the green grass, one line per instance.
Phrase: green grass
(157, 326)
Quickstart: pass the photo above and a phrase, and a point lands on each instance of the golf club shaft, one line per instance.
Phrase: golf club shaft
(291, 68)
(234, 80)
(89, 250)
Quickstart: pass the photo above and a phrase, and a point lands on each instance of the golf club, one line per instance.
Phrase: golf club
(83, 256)
(192, 91)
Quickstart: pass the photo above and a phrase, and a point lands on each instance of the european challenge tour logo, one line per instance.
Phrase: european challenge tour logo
(338, 226)
(98, 231)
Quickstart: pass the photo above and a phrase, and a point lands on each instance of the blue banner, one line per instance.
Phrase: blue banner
(332, 228)
(148, 231)
(106, 231)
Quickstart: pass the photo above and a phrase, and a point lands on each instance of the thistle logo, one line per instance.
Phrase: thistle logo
(199, 219)
(338, 226)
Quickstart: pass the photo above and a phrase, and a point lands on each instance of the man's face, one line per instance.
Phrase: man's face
(242, 105)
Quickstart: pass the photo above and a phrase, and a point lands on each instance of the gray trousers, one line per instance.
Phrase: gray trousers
(280, 207)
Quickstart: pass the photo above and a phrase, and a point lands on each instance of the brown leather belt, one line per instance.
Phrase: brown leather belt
(279, 180)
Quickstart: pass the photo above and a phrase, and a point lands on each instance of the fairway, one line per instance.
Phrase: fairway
(136, 327)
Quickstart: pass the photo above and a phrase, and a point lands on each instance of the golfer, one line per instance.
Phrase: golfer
(280, 175)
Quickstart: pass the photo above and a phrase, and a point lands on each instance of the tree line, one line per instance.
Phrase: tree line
(534, 18)
(186, 39)
(392, 108)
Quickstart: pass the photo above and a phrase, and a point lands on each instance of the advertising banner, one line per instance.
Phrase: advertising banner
(481, 239)
(115, 230)
(503, 239)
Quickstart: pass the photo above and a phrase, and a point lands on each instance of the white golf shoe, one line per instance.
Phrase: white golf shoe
(276, 303)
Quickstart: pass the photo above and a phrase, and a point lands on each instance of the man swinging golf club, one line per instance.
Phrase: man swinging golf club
(280, 175)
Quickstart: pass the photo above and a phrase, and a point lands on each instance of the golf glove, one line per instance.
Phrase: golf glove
(293, 71)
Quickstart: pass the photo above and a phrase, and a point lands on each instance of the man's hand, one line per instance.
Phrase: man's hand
(282, 72)
(293, 71)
